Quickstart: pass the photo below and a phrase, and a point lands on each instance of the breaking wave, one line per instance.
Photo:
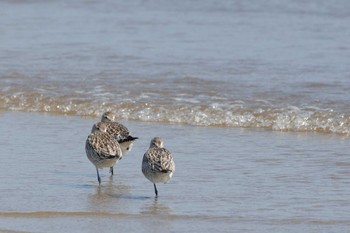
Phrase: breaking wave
(236, 113)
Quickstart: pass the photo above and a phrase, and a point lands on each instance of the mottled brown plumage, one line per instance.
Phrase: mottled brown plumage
(101, 149)
(158, 164)
(119, 132)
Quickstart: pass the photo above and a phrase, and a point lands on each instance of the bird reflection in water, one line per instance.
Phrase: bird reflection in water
(154, 207)
(108, 194)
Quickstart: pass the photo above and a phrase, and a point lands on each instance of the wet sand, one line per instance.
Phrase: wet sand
(227, 179)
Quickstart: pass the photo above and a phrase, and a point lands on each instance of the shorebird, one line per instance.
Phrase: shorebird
(101, 149)
(158, 164)
(119, 132)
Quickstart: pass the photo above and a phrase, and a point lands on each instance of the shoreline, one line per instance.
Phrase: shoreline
(175, 124)
(248, 180)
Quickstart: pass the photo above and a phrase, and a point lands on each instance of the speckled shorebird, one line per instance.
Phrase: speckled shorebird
(101, 149)
(118, 131)
(158, 164)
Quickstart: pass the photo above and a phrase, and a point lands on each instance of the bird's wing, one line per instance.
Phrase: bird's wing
(160, 160)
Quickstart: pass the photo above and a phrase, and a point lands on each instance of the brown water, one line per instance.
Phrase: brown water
(227, 180)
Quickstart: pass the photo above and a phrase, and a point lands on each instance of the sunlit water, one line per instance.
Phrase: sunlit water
(226, 180)
(280, 65)
(252, 98)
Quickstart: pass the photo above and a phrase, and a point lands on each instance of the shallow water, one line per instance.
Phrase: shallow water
(227, 179)
(268, 84)
(279, 65)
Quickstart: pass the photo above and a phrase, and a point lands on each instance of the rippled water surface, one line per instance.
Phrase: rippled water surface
(226, 180)
(280, 65)
(252, 98)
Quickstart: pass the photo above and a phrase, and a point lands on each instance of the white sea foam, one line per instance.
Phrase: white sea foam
(291, 118)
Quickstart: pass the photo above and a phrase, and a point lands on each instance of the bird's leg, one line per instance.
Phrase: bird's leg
(98, 176)
(111, 170)
(155, 190)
